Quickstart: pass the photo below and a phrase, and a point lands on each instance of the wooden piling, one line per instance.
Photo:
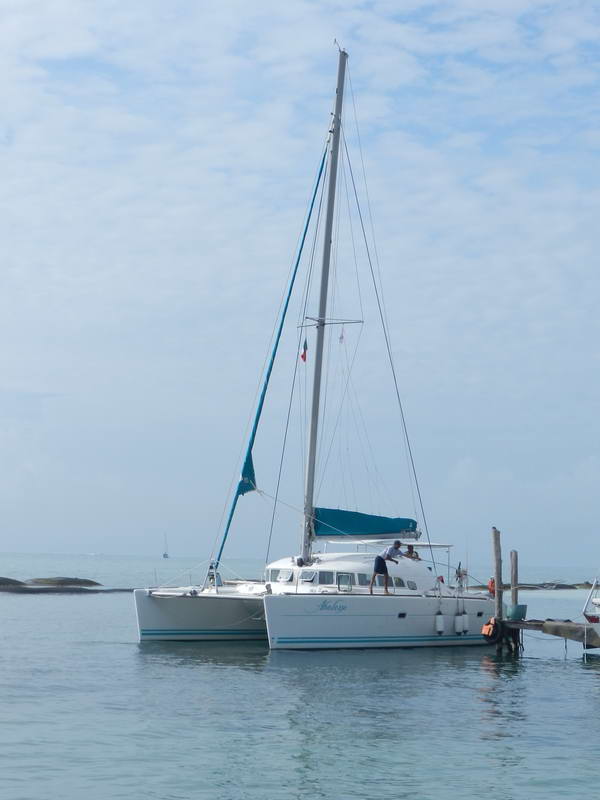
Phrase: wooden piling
(498, 582)
(514, 577)
(497, 573)
(514, 637)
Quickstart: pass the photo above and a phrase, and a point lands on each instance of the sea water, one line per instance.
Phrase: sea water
(87, 712)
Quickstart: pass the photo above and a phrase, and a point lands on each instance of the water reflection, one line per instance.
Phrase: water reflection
(591, 661)
(243, 655)
(419, 665)
(503, 699)
(319, 717)
(382, 663)
(374, 708)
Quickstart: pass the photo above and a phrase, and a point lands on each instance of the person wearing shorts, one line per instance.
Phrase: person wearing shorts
(380, 567)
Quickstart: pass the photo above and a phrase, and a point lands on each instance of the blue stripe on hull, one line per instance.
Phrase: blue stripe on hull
(376, 639)
(218, 633)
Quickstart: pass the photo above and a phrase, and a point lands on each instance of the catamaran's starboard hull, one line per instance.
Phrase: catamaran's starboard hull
(322, 622)
(205, 617)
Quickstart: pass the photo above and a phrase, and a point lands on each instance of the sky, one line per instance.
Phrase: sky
(157, 159)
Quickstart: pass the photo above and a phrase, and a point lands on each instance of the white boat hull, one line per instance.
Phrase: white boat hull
(317, 622)
(206, 617)
(591, 609)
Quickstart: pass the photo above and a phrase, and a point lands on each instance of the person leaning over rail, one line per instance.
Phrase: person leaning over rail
(380, 567)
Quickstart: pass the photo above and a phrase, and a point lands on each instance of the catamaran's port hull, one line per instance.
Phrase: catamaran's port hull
(206, 617)
(335, 621)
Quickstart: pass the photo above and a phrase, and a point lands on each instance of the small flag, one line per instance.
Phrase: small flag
(304, 350)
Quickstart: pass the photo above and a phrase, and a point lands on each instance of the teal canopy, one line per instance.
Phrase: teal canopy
(330, 522)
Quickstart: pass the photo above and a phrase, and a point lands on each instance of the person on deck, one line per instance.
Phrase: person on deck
(412, 553)
(380, 567)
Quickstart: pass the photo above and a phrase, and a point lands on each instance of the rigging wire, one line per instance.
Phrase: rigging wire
(342, 472)
(352, 407)
(327, 386)
(376, 253)
(347, 395)
(353, 394)
(336, 424)
(303, 393)
(389, 352)
(368, 198)
(380, 483)
(337, 421)
(301, 333)
(352, 239)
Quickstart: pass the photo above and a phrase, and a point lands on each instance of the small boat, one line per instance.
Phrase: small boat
(166, 550)
(591, 609)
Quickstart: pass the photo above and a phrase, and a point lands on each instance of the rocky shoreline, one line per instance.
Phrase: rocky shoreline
(534, 586)
(59, 585)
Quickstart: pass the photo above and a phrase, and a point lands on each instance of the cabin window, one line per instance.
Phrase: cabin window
(363, 580)
(411, 585)
(399, 582)
(307, 575)
(345, 581)
(273, 575)
(285, 575)
(380, 580)
(326, 579)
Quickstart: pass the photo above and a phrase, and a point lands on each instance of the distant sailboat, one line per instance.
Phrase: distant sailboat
(166, 550)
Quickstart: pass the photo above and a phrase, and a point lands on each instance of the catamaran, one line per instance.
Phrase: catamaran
(320, 599)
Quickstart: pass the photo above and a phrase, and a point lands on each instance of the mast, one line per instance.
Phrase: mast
(316, 391)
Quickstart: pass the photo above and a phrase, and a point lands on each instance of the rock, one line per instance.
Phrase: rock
(62, 582)
(10, 582)
(558, 586)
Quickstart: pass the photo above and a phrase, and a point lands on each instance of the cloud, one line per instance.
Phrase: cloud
(157, 160)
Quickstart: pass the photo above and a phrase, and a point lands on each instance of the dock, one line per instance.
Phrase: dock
(508, 632)
(565, 629)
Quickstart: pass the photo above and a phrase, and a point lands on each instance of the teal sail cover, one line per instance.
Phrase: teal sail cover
(329, 522)
(248, 480)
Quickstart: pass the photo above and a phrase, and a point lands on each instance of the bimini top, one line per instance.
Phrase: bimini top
(333, 523)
